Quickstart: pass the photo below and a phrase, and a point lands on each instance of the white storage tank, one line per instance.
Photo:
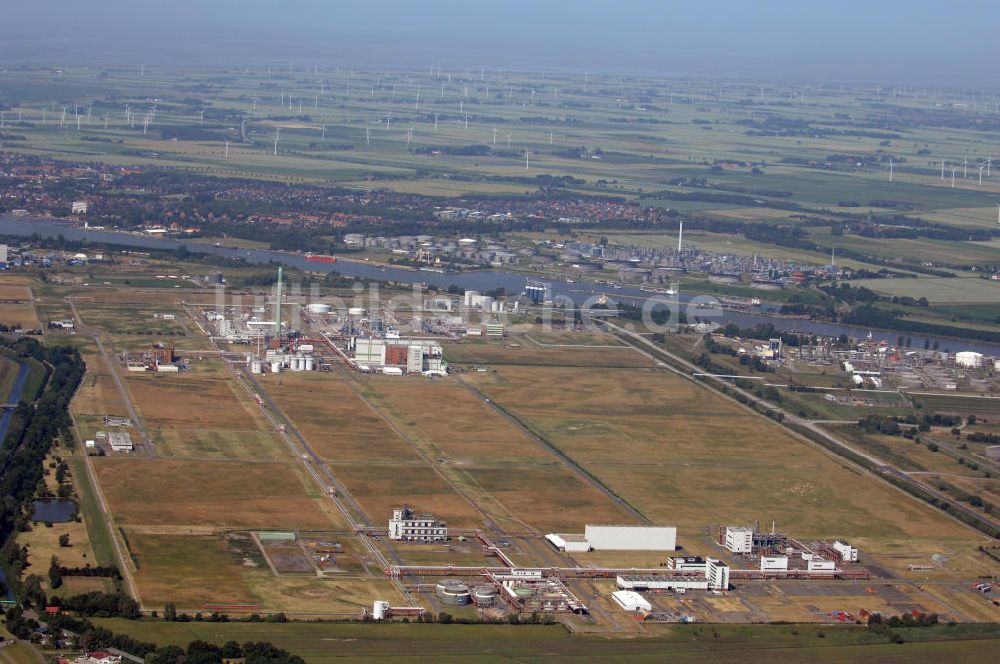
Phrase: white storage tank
(309, 364)
(319, 308)
(275, 367)
(969, 359)
(996, 364)
(356, 311)
(256, 366)
(380, 610)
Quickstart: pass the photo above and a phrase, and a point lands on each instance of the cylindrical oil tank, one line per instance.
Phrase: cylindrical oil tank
(484, 596)
(310, 364)
(319, 308)
(256, 366)
(453, 592)
(356, 311)
(380, 610)
(275, 367)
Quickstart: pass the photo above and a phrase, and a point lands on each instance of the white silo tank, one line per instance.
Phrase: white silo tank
(275, 367)
(996, 364)
(296, 363)
(969, 359)
(319, 308)
(256, 366)
(309, 364)
(380, 610)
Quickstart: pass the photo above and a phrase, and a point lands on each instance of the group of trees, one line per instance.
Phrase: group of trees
(32, 432)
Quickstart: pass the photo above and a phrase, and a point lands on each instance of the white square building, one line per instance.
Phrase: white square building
(739, 539)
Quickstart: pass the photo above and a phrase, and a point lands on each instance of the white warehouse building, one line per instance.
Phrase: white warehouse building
(631, 600)
(616, 538)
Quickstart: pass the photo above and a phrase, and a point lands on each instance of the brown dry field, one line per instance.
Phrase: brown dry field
(10, 291)
(379, 489)
(199, 398)
(455, 422)
(223, 494)
(493, 461)
(528, 353)
(689, 458)
(548, 499)
(187, 570)
(18, 314)
(338, 425)
(98, 394)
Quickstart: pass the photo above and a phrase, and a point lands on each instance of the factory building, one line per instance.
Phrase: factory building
(407, 526)
(631, 601)
(773, 563)
(739, 539)
(616, 538)
(411, 355)
(848, 553)
(120, 441)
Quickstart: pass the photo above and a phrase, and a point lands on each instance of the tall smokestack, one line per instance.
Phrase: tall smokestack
(680, 236)
(277, 307)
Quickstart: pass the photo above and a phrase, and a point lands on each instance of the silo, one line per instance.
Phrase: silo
(256, 366)
(380, 610)
(484, 596)
(453, 592)
(309, 363)
(275, 367)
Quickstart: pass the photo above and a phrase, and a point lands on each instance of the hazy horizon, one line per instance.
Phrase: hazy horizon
(892, 42)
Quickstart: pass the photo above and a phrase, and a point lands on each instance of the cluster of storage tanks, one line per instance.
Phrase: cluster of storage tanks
(453, 592)
(276, 362)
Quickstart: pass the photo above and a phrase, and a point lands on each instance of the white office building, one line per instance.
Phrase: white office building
(739, 539)
(848, 553)
(407, 526)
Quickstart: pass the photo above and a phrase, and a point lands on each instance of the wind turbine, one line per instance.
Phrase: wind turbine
(277, 132)
(981, 176)
(890, 169)
(227, 148)
(953, 177)
(965, 169)
(989, 159)
(201, 117)
(942, 169)
(526, 162)
(494, 135)
(368, 135)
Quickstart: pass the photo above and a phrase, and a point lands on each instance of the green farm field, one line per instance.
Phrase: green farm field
(321, 643)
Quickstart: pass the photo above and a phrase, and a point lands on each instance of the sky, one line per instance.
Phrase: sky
(914, 42)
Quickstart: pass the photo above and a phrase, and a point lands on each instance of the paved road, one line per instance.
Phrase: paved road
(112, 366)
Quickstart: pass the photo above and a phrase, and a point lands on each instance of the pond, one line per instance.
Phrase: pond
(53, 510)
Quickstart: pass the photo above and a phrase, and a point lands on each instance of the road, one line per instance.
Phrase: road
(112, 366)
(882, 469)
